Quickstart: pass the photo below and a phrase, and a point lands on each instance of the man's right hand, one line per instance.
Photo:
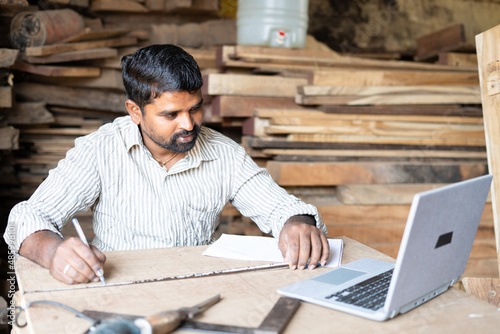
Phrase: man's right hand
(69, 261)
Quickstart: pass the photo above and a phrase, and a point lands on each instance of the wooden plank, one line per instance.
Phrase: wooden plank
(357, 77)
(458, 59)
(62, 57)
(73, 97)
(251, 85)
(5, 97)
(57, 48)
(488, 55)
(58, 71)
(29, 113)
(243, 106)
(314, 116)
(8, 57)
(352, 138)
(448, 39)
(487, 289)
(332, 174)
(9, 138)
(311, 90)
(89, 35)
(373, 153)
(253, 56)
(374, 194)
(108, 79)
(436, 110)
(389, 99)
(392, 129)
(117, 6)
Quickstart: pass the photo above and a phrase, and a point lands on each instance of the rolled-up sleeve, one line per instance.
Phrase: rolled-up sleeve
(260, 198)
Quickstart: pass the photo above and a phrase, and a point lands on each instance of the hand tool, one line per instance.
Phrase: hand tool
(170, 278)
(274, 323)
(160, 323)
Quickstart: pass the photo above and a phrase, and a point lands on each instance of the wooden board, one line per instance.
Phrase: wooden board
(358, 77)
(58, 71)
(5, 97)
(9, 138)
(57, 48)
(330, 174)
(61, 57)
(243, 106)
(8, 57)
(256, 56)
(29, 113)
(251, 85)
(488, 51)
(448, 39)
(73, 97)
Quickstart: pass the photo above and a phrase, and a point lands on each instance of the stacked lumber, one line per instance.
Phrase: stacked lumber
(59, 89)
(357, 137)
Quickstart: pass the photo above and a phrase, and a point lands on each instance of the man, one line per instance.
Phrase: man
(157, 178)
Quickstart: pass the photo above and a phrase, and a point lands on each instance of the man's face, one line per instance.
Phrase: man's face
(173, 121)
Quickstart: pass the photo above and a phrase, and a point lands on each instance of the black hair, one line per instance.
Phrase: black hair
(156, 69)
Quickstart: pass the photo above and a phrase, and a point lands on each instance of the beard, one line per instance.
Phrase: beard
(172, 145)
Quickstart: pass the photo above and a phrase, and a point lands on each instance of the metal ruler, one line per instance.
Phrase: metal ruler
(170, 278)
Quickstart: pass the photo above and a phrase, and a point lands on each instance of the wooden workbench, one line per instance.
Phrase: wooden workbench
(247, 297)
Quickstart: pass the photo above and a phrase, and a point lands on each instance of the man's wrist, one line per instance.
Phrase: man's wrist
(303, 219)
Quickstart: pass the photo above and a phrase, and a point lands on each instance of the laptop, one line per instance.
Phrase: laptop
(434, 251)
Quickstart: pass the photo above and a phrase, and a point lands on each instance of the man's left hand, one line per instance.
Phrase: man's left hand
(303, 244)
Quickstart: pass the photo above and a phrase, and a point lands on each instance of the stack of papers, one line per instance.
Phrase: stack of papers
(243, 247)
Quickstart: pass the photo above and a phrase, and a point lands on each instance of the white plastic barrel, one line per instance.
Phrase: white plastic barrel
(274, 23)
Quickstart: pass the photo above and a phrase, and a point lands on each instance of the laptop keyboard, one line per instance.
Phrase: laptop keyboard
(369, 294)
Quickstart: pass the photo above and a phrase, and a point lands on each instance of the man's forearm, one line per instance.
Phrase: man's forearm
(40, 247)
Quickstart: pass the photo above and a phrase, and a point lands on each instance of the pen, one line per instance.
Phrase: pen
(79, 230)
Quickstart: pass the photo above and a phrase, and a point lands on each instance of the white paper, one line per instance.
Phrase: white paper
(242, 247)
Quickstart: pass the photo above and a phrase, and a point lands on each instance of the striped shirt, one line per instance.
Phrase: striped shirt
(138, 204)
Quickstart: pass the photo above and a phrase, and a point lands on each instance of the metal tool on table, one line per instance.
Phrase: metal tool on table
(274, 323)
(160, 323)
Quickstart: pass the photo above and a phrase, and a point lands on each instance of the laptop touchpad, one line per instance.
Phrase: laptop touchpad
(338, 276)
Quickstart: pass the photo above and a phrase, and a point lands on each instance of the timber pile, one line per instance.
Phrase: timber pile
(55, 92)
(357, 137)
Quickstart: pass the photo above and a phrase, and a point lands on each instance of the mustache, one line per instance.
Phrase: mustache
(196, 130)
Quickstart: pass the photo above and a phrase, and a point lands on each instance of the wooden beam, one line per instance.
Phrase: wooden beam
(73, 97)
(29, 113)
(8, 57)
(57, 48)
(9, 138)
(331, 174)
(58, 71)
(251, 85)
(5, 97)
(243, 106)
(448, 39)
(488, 53)
(357, 77)
(62, 57)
